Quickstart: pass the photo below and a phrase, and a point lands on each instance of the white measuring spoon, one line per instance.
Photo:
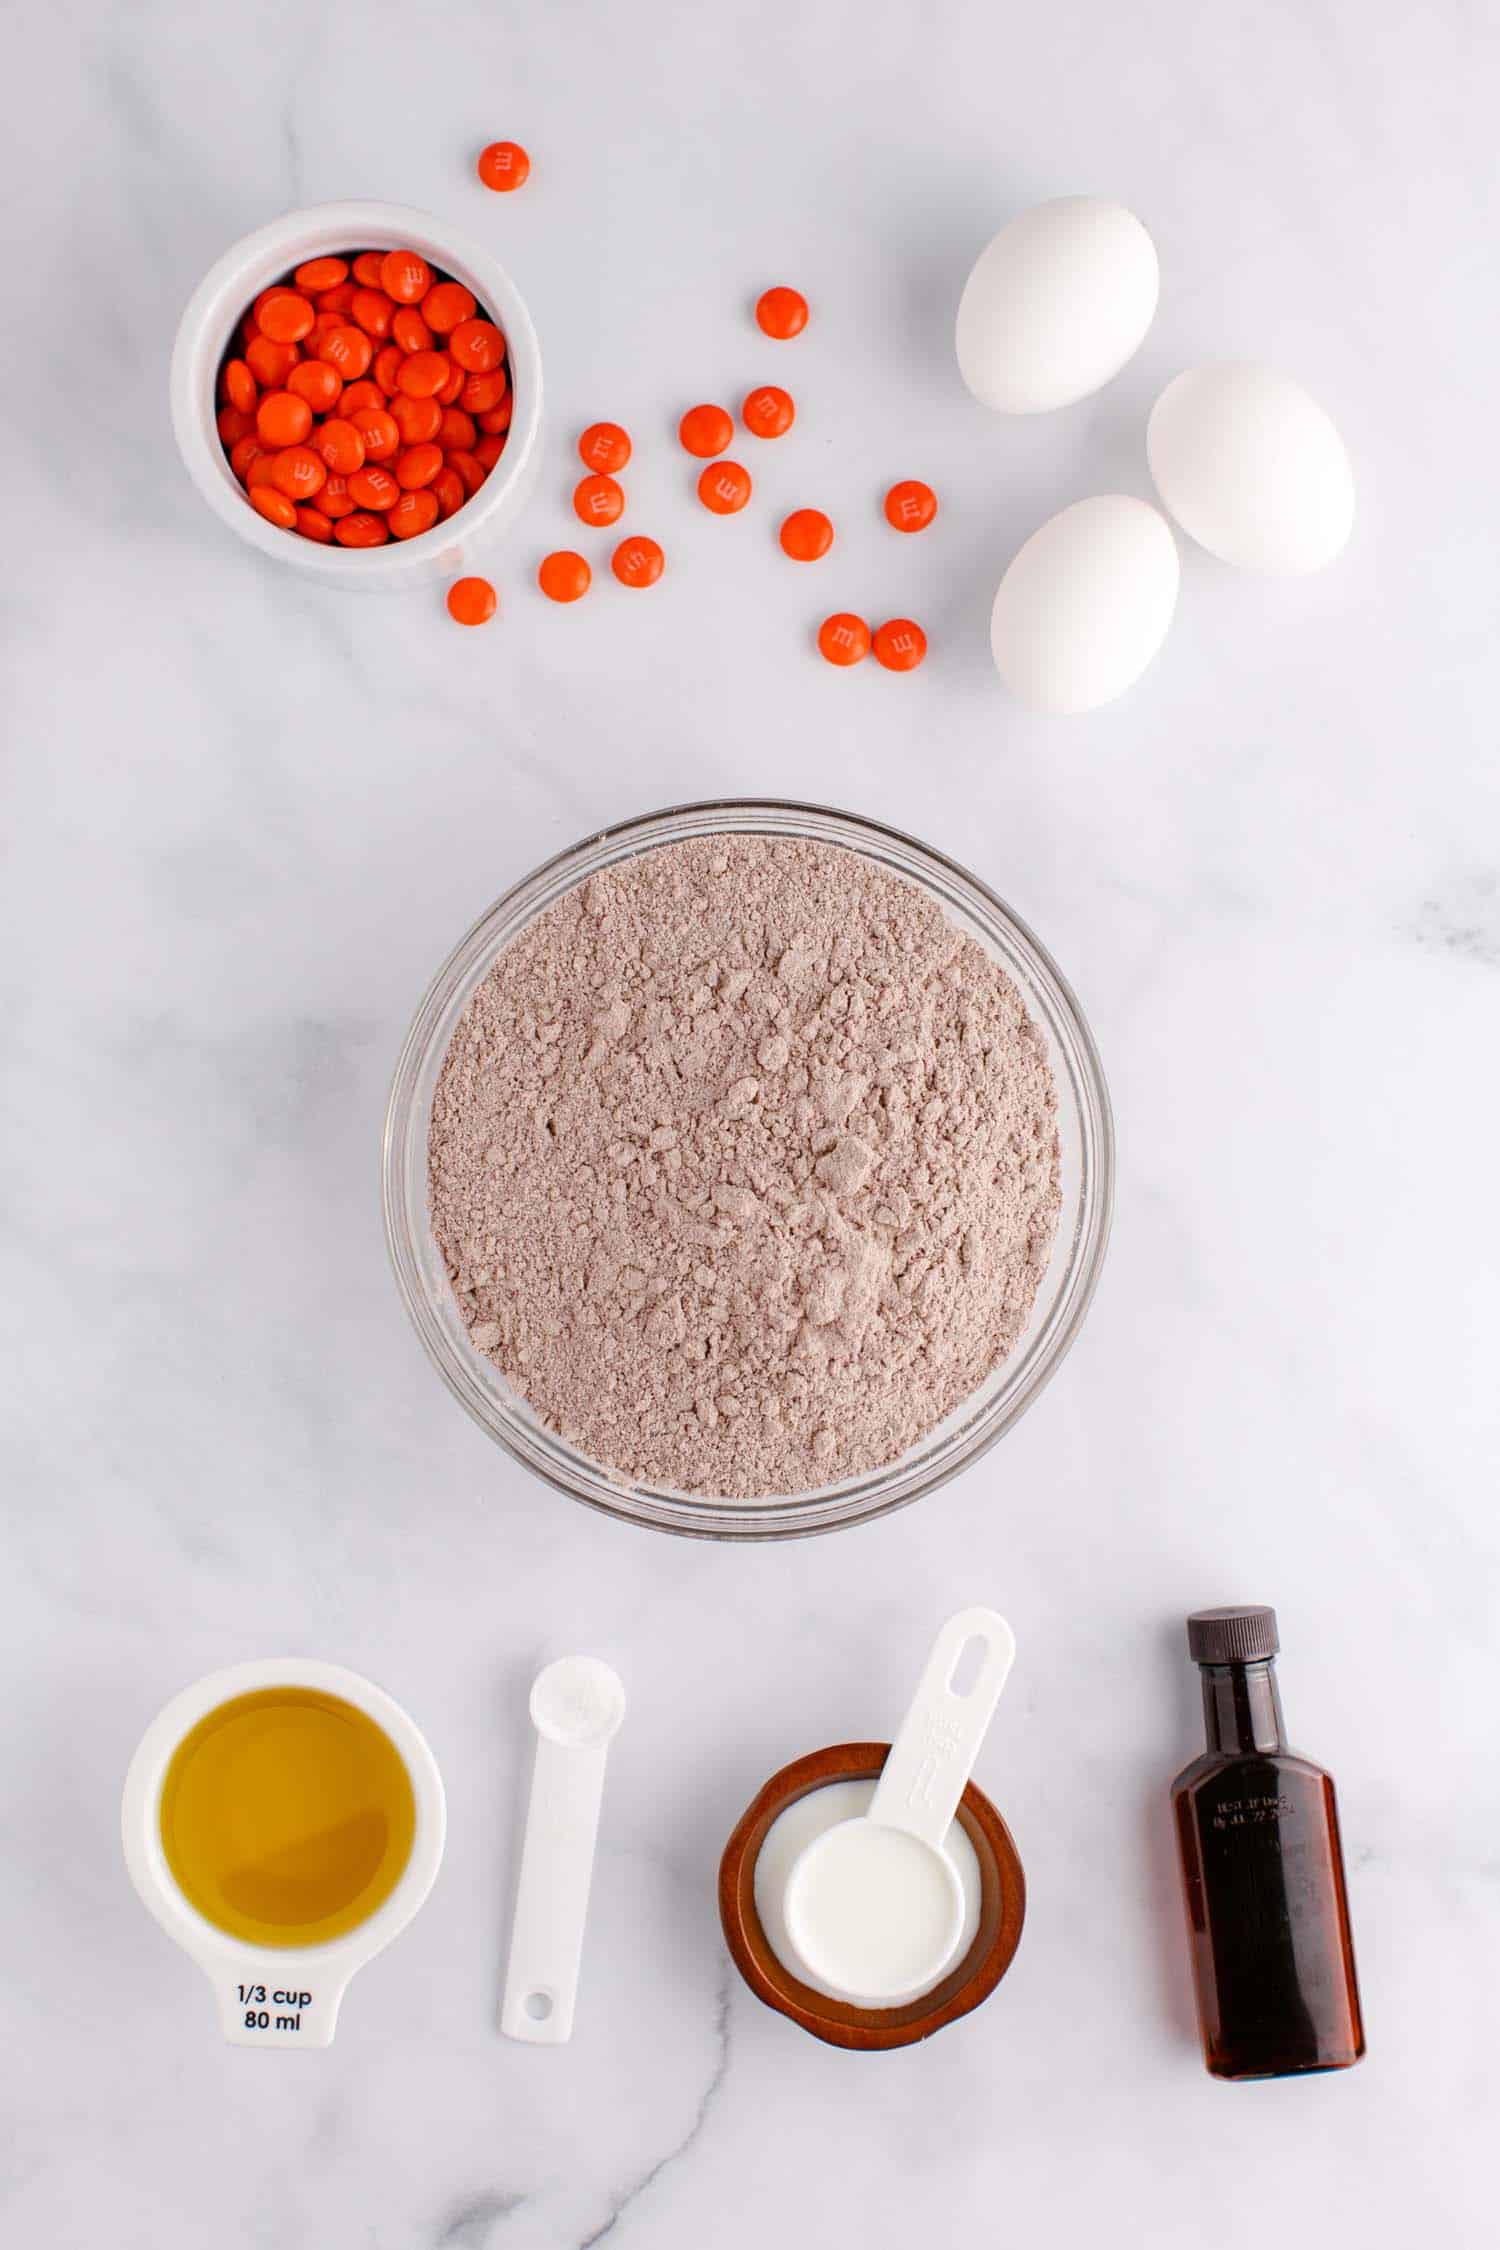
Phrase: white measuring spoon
(577, 1705)
(874, 1905)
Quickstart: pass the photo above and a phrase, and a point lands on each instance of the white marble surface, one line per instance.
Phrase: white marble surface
(242, 824)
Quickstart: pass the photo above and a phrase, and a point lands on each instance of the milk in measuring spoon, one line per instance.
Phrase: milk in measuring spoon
(885, 1931)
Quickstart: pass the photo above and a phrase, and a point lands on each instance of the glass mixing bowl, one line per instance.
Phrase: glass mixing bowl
(1085, 1133)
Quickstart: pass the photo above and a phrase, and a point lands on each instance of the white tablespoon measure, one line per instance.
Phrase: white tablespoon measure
(577, 1705)
(874, 1905)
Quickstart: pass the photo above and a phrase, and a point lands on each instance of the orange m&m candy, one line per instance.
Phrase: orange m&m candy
(477, 346)
(240, 386)
(706, 430)
(315, 381)
(410, 331)
(285, 316)
(282, 418)
(417, 467)
(637, 562)
(334, 500)
(414, 513)
(564, 577)
(724, 487)
(405, 276)
(422, 374)
(445, 305)
(360, 530)
(348, 349)
(373, 311)
(598, 500)
(604, 447)
(321, 273)
(768, 412)
(298, 472)
(471, 601)
(447, 488)
(274, 506)
(270, 363)
(504, 165)
(806, 534)
(232, 425)
(342, 447)
(482, 392)
(374, 487)
(900, 644)
(844, 638)
(781, 313)
(910, 505)
(418, 419)
(488, 451)
(378, 433)
(313, 524)
(367, 269)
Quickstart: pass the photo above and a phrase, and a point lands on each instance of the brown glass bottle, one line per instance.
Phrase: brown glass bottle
(1262, 1871)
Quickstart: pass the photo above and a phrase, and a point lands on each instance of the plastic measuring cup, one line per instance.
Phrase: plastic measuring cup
(269, 1994)
(874, 1906)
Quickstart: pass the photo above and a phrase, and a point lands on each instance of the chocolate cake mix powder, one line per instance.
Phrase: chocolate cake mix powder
(744, 1164)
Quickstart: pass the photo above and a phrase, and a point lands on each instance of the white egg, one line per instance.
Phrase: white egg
(1251, 467)
(1056, 304)
(1086, 604)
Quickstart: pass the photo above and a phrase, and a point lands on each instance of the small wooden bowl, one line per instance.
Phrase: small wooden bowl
(1001, 1914)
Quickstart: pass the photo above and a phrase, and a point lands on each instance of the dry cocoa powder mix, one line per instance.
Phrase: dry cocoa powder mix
(744, 1163)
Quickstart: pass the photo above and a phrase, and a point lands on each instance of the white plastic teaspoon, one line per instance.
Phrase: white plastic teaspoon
(577, 1705)
(874, 1905)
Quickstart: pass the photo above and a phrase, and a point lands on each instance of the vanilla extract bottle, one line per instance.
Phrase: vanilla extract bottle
(1262, 1870)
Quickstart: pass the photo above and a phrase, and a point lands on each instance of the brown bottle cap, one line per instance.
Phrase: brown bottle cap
(1232, 1636)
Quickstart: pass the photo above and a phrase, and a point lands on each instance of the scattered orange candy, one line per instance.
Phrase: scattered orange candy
(806, 534)
(477, 346)
(768, 412)
(598, 500)
(706, 430)
(724, 487)
(321, 273)
(405, 276)
(637, 562)
(564, 576)
(910, 505)
(900, 644)
(504, 165)
(471, 601)
(603, 446)
(844, 638)
(781, 313)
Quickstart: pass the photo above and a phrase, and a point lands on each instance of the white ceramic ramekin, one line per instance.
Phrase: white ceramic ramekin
(281, 1996)
(224, 295)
